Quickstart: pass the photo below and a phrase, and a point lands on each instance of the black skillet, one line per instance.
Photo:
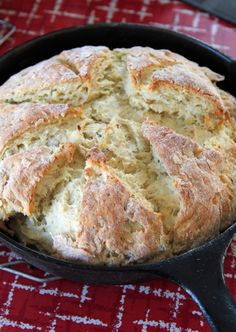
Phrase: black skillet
(199, 271)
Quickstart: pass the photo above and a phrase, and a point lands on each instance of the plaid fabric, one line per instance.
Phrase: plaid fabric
(63, 305)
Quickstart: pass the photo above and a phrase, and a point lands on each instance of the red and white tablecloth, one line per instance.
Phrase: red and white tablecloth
(63, 305)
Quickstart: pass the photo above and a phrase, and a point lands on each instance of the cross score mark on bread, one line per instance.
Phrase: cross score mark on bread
(116, 156)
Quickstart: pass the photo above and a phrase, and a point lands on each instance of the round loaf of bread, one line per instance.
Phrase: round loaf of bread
(116, 156)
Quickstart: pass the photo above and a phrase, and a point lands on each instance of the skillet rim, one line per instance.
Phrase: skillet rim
(176, 34)
(142, 267)
(115, 268)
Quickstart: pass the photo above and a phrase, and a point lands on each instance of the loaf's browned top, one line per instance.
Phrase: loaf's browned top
(117, 156)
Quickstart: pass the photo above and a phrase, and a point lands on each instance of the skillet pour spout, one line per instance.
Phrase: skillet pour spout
(199, 271)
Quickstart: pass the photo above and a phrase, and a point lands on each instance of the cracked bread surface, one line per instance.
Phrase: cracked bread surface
(116, 156)
(21, 174)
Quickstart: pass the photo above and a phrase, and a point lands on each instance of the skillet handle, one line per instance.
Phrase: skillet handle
(200, 273)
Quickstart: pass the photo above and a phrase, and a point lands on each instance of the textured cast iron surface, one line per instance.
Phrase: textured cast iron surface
(199, 271)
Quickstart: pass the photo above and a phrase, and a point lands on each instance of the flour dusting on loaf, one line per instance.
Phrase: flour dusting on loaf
(116, 156)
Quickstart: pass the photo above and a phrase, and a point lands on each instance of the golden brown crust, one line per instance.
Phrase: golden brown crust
(151, 70)
(81, 59)
(182, 76)
(113, 227)
(142, 59)
(42, 75)
(229, 102)
(204, 199)
(21, 174)
(214, 77)
(18, 119)
(70, 66)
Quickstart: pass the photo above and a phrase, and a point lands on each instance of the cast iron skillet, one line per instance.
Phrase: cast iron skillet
(198, 271)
